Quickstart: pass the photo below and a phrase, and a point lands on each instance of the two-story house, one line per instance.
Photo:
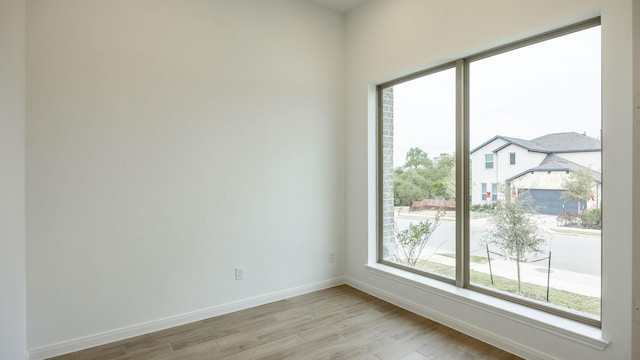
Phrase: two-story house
(504, 166)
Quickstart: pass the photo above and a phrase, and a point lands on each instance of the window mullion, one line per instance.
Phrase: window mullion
(462, 176)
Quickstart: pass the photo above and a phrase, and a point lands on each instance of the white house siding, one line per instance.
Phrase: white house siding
(502, 170)
(591, 159)
(525, 160)
(481, 175)
(540, 180)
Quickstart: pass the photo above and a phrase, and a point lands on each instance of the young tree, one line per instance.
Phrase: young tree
(578, 186)
(411, 241)
(512, 229)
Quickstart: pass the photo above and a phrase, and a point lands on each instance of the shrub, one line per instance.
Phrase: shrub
(591, 218)
(568, 218)
(483, 207)
(412, 241)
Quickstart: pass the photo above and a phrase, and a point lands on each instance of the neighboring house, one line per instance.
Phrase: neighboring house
(504, 166)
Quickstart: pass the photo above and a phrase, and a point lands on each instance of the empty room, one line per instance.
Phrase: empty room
(311, 179)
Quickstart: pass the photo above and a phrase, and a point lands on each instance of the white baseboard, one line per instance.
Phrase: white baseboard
(466, 328)
(25, 356)
(161, 324)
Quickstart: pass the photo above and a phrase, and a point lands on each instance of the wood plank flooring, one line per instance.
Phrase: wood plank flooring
(337, 323)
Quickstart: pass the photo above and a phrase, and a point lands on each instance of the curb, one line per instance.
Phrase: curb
(573, 231)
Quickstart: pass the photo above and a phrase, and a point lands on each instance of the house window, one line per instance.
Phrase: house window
(425, 133)
(488, 161)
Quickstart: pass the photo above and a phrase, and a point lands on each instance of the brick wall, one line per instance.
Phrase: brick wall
(388, 234)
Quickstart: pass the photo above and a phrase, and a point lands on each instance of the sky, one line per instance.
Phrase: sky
(553, 86)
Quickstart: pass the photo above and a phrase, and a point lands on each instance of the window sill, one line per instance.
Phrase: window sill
(549, 323)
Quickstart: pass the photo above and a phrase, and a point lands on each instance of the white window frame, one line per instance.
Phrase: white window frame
(487, 162)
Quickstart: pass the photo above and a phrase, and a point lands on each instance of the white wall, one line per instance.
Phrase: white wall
(12, 189)
(169, 142)
(387, 39)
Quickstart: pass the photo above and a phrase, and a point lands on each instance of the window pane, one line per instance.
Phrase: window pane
(538, 237)
(488, 161)
(418, 164)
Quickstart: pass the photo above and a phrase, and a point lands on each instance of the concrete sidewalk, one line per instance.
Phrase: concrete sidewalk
(577, 283)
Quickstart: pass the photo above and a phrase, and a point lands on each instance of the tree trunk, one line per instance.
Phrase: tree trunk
(518, 267)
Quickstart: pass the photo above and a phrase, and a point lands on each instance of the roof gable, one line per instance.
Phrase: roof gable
(526, 144)
(550, 143)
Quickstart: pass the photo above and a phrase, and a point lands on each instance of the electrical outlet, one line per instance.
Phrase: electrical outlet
(239, 273)
(332, 257)
(636, 309)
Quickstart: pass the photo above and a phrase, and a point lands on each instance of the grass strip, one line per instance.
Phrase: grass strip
(562, 298)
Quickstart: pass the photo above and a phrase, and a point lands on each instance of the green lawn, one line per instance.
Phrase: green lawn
(474, 258)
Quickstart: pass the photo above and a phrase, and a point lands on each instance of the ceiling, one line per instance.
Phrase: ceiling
(339, 5)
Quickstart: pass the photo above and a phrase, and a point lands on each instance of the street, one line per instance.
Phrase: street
(575, 252)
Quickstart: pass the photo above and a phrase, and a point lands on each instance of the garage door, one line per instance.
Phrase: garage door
(549, 202)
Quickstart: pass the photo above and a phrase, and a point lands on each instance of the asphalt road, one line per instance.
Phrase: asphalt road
(571, 252)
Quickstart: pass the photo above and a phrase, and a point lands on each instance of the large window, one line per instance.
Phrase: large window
(453, 202)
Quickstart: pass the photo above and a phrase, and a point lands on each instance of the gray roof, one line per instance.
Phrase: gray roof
(551, 143)
(567, 142)
(555, 163)
(527, 144)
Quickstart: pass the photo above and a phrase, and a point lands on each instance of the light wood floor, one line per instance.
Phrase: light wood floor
(337, 323)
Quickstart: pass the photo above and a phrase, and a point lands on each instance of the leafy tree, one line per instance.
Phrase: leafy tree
(416, 158)
(578, 186)
(512, 229)
(422, 178)
(406, 190)
(412, 240)
(443, 176)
